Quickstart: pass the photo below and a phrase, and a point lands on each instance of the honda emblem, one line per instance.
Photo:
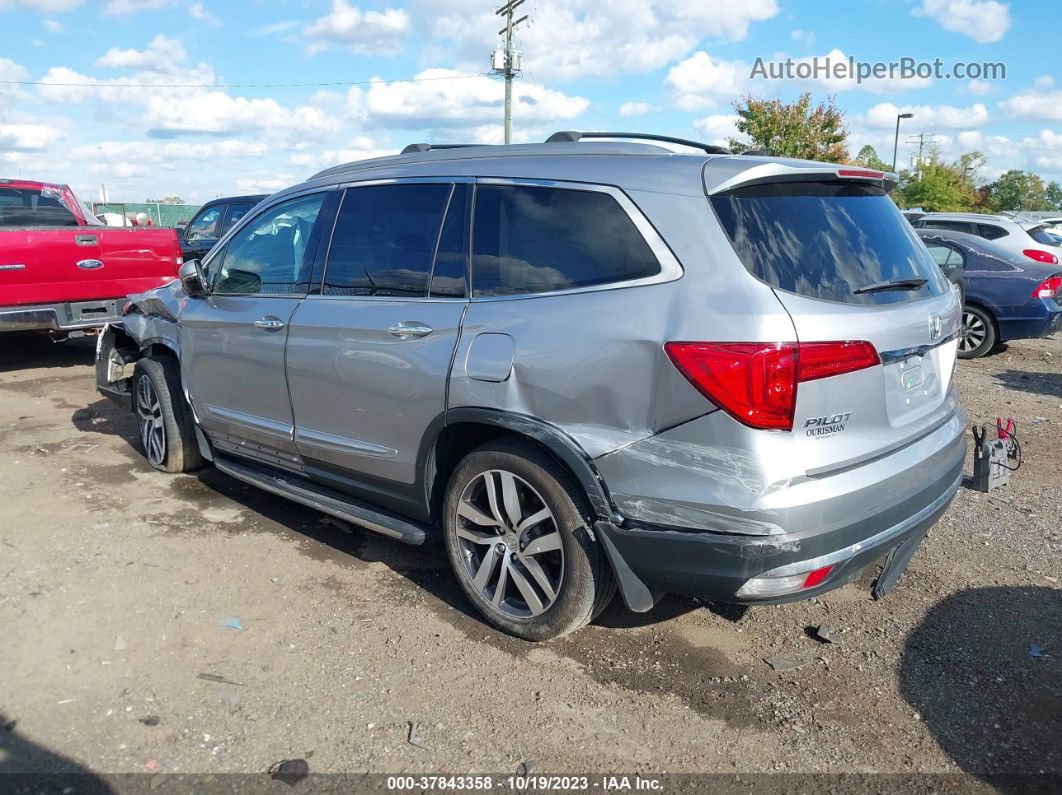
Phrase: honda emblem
(934, 327)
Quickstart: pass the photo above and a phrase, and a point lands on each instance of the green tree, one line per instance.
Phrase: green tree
(936, 186)
(793, 129)
(868, 156)
(1053, 194)
(1017, 190)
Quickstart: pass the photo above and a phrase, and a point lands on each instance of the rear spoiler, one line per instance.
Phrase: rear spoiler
(800, 171)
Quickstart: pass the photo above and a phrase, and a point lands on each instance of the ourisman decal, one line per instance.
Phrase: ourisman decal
(825, 426)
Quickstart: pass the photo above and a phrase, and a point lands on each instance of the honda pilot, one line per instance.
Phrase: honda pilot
(580, 365)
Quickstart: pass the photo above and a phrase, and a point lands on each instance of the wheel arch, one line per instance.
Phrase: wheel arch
(458, 431)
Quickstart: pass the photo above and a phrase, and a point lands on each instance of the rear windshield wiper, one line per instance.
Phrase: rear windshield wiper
(892, 284)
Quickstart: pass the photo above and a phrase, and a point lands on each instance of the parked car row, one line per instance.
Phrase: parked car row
(1010, 275)
(580, 365)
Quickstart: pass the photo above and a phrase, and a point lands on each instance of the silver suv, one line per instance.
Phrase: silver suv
(578, 364)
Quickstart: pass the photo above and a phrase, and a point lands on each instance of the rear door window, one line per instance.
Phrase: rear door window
(384, 240)
(530, 239)
(28, 207)
(826, 240)
(1040, 235)
(951, 226)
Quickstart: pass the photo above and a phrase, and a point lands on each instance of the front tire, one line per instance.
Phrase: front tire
(978, 334)
(163, 417)
(517, 538)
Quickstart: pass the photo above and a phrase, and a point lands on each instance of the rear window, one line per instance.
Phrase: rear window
(826, 240)
(27, 207)
(1040, 235)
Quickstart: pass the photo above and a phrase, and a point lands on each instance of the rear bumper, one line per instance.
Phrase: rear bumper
(1029, 328)
(715, 566)
(61, 317)
(845, 519)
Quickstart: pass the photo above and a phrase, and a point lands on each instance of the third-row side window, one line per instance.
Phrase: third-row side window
(529, 239)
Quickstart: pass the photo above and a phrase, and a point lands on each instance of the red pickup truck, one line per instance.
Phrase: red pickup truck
(62, 271)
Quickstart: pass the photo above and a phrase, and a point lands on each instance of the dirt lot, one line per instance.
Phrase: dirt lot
(117, 584)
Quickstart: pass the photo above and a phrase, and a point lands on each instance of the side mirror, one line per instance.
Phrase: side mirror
(191, 276)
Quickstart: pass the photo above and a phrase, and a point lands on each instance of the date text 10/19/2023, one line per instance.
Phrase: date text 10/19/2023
(540, 783)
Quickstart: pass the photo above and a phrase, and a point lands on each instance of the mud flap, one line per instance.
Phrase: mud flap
(895, 564)
(637, 597)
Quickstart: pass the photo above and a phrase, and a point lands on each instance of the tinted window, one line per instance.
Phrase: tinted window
(26, 207)
(451, 261)
(826, 240)
(1040, 235)
(991, 231)
(273, 253)
(236, 212)
(951, 226)
(385, 239)
(531, 239)
(205, 225)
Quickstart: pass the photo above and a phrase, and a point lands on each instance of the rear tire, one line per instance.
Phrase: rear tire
(517, 535)
(978, 333)
(163, 417)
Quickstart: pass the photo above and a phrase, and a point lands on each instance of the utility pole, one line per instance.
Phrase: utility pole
(921, 138)
(507, 62)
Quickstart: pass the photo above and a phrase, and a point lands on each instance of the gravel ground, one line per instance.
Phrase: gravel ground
(117, 584)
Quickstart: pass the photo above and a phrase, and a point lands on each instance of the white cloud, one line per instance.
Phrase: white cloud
(64, 85)
(718, 129)
(361, 148)
(926, 117)
(376, 32)
(982, 20)
(52, 26)
(11, 71)
(41, 5)
(1044, 81)
(160, 56)
(198, 11)
(979, 87)
(273, 28)
(701, 81)
(577, 39)
(266, 182)
(821, 68)
(28, 137)
(120, 7)
(804, 36)
(216, 113)
(463, 102)
(1036, 105)
(993, 146)
(634, 108)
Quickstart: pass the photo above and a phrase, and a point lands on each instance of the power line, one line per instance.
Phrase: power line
(239, 85)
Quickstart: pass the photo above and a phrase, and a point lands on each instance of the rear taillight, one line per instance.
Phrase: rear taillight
(861, 173)
(1041, 256)
(1051, 287)
(756, 382)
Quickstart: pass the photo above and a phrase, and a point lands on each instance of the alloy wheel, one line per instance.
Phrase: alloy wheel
(509, 543)
(149, 418)
(974, 332)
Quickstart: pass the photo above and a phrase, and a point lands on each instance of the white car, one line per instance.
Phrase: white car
(1021, 236)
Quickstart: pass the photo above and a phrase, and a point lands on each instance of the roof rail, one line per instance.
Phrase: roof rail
(756, 152)
(432, 147)
(571, 136)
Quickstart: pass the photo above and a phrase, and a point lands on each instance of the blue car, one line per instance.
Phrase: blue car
(1007, 296)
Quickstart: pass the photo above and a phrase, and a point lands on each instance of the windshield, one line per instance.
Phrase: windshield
(827, 240)
(34, 207)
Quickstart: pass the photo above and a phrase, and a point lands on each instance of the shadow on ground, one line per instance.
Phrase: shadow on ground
(23, 350)
(1049, 384)
(984, 670)
(28, 767)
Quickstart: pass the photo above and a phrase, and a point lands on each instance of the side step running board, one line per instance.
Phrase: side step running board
(324, 499)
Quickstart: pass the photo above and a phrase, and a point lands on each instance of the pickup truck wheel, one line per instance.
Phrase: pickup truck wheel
(519, 543)
(167, 430)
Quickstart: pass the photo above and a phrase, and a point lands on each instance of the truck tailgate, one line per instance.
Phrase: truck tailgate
(65, 264)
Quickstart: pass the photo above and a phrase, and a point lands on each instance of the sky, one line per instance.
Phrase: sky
(203, 98)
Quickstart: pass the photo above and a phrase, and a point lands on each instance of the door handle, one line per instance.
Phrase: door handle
(408, 329)
(270, 324)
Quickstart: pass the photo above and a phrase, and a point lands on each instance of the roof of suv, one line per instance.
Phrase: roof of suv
(629, 164)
